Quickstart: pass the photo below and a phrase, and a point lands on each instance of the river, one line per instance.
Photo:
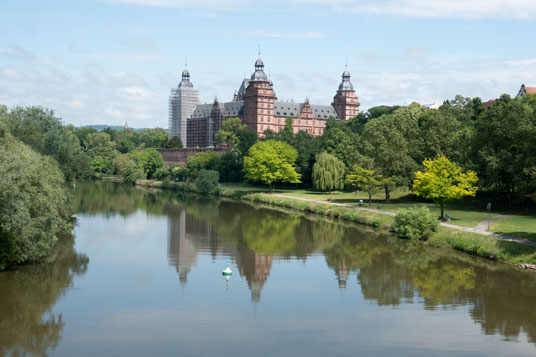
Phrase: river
(142, 276)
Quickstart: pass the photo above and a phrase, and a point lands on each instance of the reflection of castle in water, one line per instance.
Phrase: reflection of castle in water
(188, 236)
(256, 268)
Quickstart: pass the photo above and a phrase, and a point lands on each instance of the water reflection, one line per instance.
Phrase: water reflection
(28, 294)
(390, 272)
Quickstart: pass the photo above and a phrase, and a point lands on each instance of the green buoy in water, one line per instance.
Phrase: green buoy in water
(227, 270)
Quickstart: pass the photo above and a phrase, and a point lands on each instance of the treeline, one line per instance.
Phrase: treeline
(496, 142)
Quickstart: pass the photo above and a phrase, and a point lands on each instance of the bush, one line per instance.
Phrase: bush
(415, 223)
(161, 173)
(207, 181)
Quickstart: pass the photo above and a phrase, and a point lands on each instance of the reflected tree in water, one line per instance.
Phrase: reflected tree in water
(27, 296)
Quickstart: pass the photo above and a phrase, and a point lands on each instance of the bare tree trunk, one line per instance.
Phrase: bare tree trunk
(387, 194)
(442, 210)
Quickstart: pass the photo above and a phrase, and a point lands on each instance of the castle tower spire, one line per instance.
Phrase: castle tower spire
(259, 100)
(345, 102)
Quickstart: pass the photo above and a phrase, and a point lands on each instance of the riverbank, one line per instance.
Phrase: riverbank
(490, 247)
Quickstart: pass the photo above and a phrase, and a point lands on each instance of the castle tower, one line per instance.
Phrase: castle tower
(259, 100)
(345, 101)
(182, 102)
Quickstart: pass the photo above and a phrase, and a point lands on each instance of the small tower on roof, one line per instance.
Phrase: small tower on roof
(345, 102)
(259, 99)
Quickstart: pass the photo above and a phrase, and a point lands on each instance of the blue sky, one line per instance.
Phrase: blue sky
(107, 61)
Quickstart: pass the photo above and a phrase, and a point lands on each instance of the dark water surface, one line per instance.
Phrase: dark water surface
(143, 277)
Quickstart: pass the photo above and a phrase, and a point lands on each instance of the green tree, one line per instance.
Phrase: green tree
(174, 143)
(33, 202)
(207, 181)
(365, 180)
(151, 160)
(504, 146)
(229, 132)
(208, 160)
(125, 145)
(45, 133)
(328, 173)
(443, 181)
(270, 162)
(393, 142)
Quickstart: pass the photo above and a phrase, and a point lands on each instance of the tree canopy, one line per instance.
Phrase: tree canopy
(270, 162)
(443, 181)
(328, 173)
(33, 207)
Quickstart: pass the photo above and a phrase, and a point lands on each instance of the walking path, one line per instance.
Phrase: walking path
(479, 229)
(483, 226)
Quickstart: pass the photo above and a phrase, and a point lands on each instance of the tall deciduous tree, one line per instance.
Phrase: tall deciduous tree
(393, 142)
(270, 162)
(328, 173)
(32, 202)
(365, 180)
(443, 181)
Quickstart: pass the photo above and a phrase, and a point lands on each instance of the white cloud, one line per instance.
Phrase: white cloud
(464, 9)
(301, 35)
(11, 74)
(18, 52)
(189, 4)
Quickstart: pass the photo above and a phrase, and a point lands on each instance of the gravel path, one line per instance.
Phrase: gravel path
(479, 229)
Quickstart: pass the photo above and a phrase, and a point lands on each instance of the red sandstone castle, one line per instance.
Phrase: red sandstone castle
(255, 103)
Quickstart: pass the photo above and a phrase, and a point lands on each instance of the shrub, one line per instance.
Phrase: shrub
(415, 223)
(207, 181)
(161, 173)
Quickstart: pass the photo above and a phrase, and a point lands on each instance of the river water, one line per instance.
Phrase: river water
(142, 276)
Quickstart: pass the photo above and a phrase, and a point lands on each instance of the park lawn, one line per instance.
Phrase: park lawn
(460, 212)
(520, 226)
(340, 196)
(465, 216)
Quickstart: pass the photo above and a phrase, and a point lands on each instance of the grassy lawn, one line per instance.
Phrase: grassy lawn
(462, 213)
(521, 226)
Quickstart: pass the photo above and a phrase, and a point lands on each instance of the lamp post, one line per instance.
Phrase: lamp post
(489, 212)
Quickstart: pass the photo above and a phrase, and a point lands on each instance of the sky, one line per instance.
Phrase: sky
(111, 61)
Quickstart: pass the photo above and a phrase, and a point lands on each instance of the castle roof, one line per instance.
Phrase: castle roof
(346, 84)
(186, 80)
(259, 74)
(281, 109)
(291, 109)
(228, 109)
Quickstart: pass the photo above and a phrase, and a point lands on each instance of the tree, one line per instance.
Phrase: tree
(40, 129)
(150, 159)
(208, 160)
(174, 143)
(229, 132)
(32, 202)
(504, 146)
(443, 181)
(207, 181)
(328, 173)
(365, 180)
(270, 162)
(393, 142)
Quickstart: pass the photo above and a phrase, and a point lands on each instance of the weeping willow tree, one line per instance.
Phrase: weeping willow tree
(328, 173)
